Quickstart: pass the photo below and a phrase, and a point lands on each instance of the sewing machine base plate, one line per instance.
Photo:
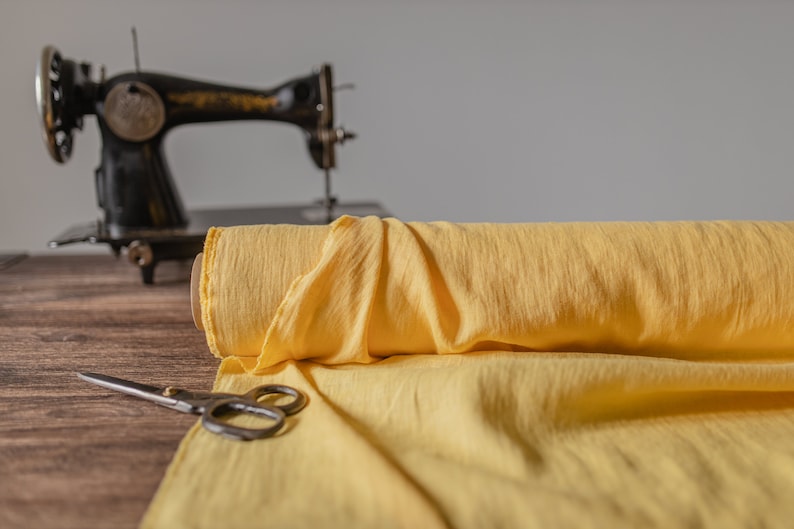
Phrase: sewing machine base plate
(147, 247)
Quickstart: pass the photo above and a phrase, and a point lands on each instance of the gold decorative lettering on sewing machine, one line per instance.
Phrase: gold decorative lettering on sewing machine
(135, 111)
(214, 100)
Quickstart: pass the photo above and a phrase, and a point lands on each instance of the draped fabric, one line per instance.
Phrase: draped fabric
(480, 375)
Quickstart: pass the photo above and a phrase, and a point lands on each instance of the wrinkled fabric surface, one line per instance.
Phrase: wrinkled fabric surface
(546, 375)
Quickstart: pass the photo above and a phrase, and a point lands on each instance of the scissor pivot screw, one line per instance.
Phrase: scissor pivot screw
(170, 391)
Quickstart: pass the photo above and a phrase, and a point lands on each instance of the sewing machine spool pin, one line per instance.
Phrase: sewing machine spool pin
(142, 210)
(136, 56)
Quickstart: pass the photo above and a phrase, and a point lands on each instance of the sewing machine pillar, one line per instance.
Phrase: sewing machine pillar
(135, 188)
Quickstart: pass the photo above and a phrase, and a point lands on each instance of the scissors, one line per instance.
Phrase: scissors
(213, 406)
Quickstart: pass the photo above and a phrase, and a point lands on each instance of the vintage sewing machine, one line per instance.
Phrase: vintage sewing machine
(134, 111)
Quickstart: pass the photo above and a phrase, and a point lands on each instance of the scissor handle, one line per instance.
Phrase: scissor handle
(248, 403)
(294, 406)
(212, 420)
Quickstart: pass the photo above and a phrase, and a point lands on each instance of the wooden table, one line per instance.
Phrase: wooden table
(74, 455)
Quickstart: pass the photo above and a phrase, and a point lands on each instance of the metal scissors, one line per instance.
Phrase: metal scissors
(214, 406)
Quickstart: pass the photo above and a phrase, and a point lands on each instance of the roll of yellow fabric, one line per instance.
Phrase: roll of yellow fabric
(376, 288)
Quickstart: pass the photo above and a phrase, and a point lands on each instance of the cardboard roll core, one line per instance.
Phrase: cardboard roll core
(195, 291)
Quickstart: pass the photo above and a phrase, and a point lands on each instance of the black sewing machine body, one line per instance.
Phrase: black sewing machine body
(135, 111)
(135, 190)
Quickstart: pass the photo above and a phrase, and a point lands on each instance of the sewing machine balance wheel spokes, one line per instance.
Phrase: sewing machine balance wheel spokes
(52, 83)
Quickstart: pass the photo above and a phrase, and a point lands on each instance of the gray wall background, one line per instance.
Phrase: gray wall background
(492, 111)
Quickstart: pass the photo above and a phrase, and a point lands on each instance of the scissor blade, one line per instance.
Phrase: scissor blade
(142, 391)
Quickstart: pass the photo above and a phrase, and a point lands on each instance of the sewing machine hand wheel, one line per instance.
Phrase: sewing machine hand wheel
(55, 83)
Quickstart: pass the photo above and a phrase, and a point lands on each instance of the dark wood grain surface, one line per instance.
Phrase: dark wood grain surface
(74, 455)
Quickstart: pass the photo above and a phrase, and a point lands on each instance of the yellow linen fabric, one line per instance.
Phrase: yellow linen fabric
(377, 287)
(615, 375)
(500, 440)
